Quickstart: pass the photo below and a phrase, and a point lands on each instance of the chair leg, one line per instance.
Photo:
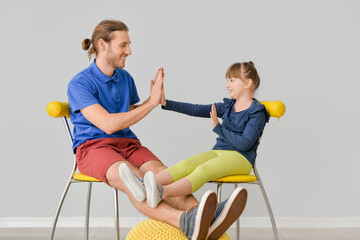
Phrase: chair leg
(117, 227)
(87, 211)
(270, 211)
(59, 209)
(237, 223)
(218, 191)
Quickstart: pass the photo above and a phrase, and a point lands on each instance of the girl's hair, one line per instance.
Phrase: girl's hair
(102, 31)
(244, 70)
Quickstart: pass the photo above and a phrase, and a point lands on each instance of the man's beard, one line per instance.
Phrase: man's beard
(113, 60)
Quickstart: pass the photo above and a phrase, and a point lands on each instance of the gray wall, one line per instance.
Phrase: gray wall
(307, 53)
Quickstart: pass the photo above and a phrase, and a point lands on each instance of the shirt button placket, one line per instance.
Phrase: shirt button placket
(116, 96)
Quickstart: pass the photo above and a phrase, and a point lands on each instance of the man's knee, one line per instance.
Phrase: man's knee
(153, 165)
(113, 177)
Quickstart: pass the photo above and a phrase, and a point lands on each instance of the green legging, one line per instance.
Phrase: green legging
(210, 165)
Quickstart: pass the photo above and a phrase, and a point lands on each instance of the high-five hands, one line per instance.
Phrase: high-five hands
(213, 115)
(156, 88)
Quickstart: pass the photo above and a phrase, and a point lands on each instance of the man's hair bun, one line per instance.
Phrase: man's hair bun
(86, 44)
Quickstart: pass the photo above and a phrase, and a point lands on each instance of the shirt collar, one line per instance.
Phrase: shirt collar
(100, 75)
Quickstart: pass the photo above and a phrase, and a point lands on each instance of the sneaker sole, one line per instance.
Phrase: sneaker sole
(231, 212)
(206, 211)
(127, 178)
(150, 183)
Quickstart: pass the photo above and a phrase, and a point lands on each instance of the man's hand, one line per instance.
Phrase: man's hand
(156, 88)
(213, 115)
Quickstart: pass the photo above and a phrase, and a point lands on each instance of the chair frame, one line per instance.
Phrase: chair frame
(275, 109)
(259, 183)
(73, 180)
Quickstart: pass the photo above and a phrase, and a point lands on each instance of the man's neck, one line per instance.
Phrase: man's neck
(104, 67)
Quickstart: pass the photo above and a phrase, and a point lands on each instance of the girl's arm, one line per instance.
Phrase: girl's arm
(195, 110)
(250, 136)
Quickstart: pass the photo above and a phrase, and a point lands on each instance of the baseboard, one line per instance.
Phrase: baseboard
(125, 222)
(129, 222)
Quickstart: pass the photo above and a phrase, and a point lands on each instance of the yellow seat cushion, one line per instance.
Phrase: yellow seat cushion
(152, 229)
(83, 177)
(236, 178)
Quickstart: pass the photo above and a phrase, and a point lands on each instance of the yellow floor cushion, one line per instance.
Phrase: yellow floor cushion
(151, 229)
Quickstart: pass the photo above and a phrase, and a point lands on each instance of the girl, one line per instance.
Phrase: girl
(243, 121)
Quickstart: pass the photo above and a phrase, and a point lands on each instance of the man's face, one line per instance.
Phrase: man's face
(118, 49)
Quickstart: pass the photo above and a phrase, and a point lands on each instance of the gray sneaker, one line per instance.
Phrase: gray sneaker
(132, 182)
(153, 189)
(227, 213)
(195, 222)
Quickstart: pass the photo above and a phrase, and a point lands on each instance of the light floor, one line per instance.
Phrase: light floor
(246, 234)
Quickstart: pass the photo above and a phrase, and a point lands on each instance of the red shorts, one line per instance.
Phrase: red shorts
(94, 157)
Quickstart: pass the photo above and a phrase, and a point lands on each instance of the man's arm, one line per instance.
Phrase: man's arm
(132, 107)
(112, 122)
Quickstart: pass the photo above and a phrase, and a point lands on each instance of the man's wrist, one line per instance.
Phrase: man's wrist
(151, 104)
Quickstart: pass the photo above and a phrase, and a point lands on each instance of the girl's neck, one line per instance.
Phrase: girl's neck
(243, 102)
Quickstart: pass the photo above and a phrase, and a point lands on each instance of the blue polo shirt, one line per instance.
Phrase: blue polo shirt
(91, 86)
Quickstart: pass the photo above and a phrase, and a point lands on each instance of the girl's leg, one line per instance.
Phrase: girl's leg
(181, 187)
(183, 168)
(164, 178)
(227, 163)
(221, 164)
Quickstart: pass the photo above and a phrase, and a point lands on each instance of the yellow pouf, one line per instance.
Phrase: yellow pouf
(151, 229)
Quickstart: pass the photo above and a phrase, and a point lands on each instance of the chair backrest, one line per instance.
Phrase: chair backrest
(60, 110)
(274, 108)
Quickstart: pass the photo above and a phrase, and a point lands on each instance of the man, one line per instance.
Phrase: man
(102, 101)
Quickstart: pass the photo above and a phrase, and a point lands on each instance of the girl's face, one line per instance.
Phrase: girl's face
(236, 87)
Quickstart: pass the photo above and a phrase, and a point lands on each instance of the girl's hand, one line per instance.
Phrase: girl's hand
(213, 115)
(163, 99)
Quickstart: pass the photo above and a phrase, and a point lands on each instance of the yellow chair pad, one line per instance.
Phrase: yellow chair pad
(61, 109)
(152, 229)
(83, 177)
(58, 109)
(274, 108)
(236, 179)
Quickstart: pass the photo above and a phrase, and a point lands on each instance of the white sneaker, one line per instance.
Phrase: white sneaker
(132, 182)
(153, 189)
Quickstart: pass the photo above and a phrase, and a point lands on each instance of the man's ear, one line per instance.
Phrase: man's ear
(102, 44)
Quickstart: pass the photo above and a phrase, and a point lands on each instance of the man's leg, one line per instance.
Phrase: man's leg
(194, 223)
(182, 203)
(163, 212)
